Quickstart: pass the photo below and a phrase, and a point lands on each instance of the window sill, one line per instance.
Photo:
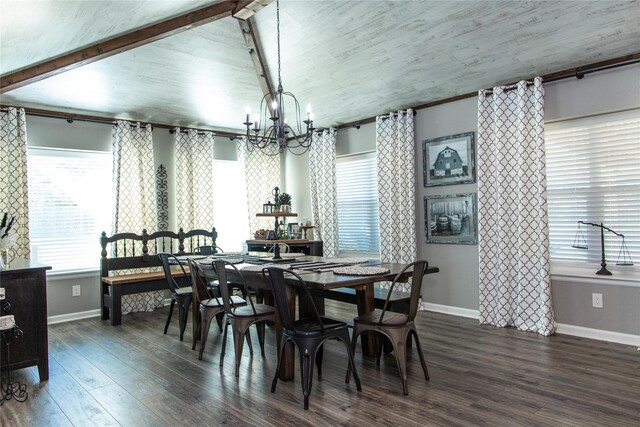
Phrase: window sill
(574, 274)
(67, 275)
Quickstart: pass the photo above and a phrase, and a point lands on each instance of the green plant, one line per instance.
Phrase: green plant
(284, 199)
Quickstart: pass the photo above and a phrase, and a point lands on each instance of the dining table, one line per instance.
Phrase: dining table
(321, 279)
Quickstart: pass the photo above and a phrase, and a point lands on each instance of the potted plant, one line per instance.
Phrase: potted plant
(284, 200)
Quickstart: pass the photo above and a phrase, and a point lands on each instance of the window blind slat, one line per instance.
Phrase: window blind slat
(593, 175)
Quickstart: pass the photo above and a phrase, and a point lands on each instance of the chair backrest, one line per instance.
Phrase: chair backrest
(200, 283)
(220, 267)
(166, 267)
(419, 268)
(279, 288)
(207, 250)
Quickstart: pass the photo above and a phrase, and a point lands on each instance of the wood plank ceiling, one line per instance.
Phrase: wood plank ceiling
(349, 59)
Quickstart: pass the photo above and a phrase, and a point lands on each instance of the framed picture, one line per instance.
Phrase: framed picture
(449, 160)
(451, 219)
(294, 230)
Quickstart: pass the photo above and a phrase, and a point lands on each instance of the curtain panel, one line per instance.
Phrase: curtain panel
(261, 174)
(134, 190)
(515, 287)
(395, 157)
(194, 179)
(13, 181)
(322, 182)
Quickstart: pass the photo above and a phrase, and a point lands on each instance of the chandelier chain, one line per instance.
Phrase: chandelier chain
(278, 35)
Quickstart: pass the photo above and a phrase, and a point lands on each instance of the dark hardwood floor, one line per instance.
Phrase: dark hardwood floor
(133, 375)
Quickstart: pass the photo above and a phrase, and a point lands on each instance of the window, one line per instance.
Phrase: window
(230, 211)
(593, 176)
(69, 206)
(357, 203)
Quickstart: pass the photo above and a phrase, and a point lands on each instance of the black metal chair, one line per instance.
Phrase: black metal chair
(241, 317)
(308, 334)
(397, 327)
(180, 295)
(209, 306)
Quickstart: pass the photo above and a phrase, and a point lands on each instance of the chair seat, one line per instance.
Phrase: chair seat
(217, 302)
(310, 326)
(247, 311)
(183, 291)
(390, 318)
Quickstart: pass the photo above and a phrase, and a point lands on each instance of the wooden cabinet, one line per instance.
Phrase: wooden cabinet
(25, 284)
(308, 247)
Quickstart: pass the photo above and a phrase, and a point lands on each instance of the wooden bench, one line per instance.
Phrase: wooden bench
(129, 265)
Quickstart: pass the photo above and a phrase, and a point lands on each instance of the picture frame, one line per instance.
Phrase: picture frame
(451, 219)
(449, 160)
(294, 231)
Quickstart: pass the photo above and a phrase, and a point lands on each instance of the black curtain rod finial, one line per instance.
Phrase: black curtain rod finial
(579, 75)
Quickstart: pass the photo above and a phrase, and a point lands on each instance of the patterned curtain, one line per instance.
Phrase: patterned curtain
(395, 157)
(322, 180)
(261, 174)
(194, 179)
(515, 287)
(134, 189)
(13, 180)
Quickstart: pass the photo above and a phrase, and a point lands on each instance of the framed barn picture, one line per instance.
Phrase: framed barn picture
(451, 219)
(449, 160)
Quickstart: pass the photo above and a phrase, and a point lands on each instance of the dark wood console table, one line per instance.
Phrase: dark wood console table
(25, 284)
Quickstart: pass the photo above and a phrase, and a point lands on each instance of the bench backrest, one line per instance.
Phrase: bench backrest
(127, 251)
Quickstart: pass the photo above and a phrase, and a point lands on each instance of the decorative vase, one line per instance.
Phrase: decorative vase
(285, 208)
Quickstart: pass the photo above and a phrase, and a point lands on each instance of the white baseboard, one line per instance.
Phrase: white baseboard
(448, 309)
(61, 318)
(562, 328)
(598, 334)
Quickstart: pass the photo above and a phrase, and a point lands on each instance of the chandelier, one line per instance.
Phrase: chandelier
(279, 135)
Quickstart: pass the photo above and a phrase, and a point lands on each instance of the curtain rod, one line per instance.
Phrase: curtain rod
(71, 117)
(577, 72)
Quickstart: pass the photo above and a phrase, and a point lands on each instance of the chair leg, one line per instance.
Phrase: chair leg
(238, 344)
(183, 311)
(275, 377)
(224, 341)
(319, 354)
(260, 329)
(400, 350)
(248, 337)
(166, 326)
(352, 364)
(204, 331)
(381, 341)
(306, 366)
(219, 319)
(419, 348)
(354, 341)
(196, 333)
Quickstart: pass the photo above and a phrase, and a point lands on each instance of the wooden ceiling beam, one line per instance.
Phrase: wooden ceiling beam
(128, 41)
(256, 56)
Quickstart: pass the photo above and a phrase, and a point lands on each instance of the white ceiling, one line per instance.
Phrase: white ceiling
(350, 59)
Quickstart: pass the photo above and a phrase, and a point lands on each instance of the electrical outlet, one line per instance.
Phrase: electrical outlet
(75, 291)
(596, 300)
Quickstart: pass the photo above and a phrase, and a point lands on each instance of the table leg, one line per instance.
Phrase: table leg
(366, 304)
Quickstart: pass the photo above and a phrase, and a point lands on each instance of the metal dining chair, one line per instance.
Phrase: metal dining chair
(308, 334)
(397, 327)
(241, 317)
(180, 295)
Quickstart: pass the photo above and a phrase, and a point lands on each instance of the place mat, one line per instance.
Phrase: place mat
(347, 261)
(292, 254)
(191, 257)
(360, 271)
(258, 268)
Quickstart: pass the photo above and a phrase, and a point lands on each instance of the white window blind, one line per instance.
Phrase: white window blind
(357, 203)
(593, 175)
(230, 212)
(69, 206)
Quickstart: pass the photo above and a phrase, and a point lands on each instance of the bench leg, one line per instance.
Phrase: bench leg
(116, 306)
